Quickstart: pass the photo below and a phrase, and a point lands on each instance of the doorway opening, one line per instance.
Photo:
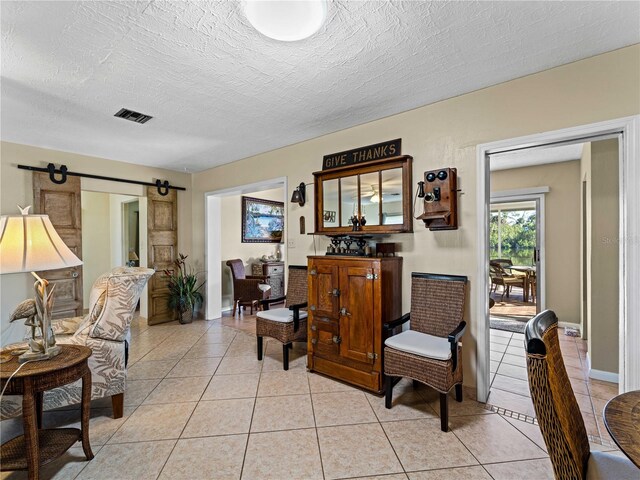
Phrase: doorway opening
(514, 249)
(114, 234)
(625, 321)
(223, 241)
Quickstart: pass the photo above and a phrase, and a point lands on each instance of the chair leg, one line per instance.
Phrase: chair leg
(459, 392)
(259, 347)
(290, 346)
(117, 403)
(285, 356)
(444, 413)
(416, 384)
(235, 305)
(388, 391)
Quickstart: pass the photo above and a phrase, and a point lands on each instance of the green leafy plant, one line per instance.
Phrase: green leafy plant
(184, 291)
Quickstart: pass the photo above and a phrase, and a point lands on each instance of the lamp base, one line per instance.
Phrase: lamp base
(38, 356)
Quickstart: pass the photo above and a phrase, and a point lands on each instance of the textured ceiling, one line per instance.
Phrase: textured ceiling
(219, 91)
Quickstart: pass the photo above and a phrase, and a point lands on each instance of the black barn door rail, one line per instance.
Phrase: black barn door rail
(163, 187)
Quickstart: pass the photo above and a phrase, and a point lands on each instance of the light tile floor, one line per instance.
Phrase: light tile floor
(199, 405)
(510, 387)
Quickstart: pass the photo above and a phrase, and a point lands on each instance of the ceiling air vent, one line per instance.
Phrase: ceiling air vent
(133, 116)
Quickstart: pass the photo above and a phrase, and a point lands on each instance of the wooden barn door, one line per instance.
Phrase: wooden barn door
(162, 225)
(63, 205)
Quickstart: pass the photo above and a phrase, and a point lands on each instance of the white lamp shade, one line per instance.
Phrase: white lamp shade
(29, 243)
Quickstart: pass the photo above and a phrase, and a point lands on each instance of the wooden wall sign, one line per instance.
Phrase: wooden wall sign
(392, 148)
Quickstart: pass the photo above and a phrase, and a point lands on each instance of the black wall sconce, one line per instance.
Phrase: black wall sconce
(299, 194)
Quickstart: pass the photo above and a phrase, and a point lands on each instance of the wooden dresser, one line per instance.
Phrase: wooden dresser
(275, 271)
(349, 300)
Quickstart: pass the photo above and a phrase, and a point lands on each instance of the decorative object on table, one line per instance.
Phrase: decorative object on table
(361, 242)
(133, 258)
(29, 243)
(184, 291)
(262, 220)
(440, 193)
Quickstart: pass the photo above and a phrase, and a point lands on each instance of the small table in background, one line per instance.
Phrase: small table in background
(622, 419)
(39, 446)
(528, 271)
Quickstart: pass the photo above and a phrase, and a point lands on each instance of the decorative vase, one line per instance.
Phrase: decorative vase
(186, 316)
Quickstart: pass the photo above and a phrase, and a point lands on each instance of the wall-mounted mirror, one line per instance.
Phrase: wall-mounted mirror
(379, 192)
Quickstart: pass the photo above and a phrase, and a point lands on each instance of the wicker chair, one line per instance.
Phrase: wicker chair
(248, 290)
(288, 324)
(557, 410)
(429, 352)
(499, 276)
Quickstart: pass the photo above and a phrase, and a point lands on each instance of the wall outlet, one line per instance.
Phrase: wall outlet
(291, 244)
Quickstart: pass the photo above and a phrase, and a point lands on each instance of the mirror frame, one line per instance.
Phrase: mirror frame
(404, 162)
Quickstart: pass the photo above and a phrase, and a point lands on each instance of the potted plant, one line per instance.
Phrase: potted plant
(184, 291)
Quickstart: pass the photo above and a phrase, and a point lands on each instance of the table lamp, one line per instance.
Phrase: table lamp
(29, 243)
(133, 258)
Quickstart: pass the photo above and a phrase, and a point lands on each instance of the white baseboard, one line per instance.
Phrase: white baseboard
(600, 374)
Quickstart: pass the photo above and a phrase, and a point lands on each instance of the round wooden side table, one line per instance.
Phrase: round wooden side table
(39, 446)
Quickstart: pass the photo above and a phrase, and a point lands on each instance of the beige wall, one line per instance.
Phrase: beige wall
(231, 236)
(446, 134)
(603, 337)
(16, 188)
(562, 229)
(96, 238)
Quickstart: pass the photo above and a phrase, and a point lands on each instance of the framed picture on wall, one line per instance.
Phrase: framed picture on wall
(262, 220)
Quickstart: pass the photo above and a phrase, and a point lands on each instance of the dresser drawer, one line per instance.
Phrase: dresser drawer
(274, 269)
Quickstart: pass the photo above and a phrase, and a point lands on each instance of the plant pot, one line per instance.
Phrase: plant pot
(186, 316)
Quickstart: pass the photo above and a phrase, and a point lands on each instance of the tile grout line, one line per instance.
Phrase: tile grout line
(315, 426)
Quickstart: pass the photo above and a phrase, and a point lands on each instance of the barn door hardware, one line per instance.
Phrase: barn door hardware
(63, 172)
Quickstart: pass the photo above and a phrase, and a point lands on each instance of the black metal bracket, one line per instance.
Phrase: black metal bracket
(63, 171)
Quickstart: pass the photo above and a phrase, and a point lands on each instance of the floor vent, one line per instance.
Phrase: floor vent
(133, 116)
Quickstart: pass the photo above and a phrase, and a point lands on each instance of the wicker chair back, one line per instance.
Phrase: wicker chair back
(437, 303)
(297, 290)
(555, 404)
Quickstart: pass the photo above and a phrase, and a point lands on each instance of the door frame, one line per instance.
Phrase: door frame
(629, 239)
(526, 195)
(213, 240)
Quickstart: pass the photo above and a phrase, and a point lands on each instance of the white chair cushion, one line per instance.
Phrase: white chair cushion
(609, 465)
(283, 315)
(421, 344)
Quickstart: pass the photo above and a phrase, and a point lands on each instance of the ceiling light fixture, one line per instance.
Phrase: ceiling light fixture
(286, 20)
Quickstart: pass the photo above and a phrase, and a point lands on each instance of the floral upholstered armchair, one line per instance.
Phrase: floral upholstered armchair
(105, 329)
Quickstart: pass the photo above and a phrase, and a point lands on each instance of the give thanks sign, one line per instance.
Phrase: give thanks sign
(360, 155)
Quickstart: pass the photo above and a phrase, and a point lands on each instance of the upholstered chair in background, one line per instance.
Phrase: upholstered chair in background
(248, 290)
